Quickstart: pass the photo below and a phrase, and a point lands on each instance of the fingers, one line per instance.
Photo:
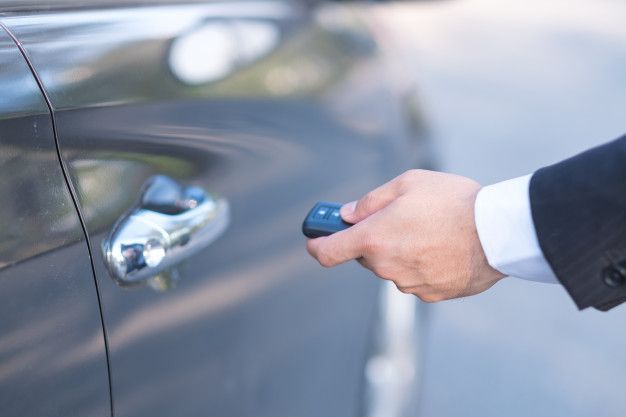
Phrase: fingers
(338, 248)
(373, 201)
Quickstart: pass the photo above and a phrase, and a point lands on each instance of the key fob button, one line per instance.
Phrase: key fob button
(321, 212)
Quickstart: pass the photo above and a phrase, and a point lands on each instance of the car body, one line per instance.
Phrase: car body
(264, 106)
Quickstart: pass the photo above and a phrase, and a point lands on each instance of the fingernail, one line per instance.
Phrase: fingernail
(347, 209)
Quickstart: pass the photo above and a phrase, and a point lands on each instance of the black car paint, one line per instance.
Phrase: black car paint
(52, 351)
(252, 326)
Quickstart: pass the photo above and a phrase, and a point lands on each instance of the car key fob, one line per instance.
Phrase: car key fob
(323, 220)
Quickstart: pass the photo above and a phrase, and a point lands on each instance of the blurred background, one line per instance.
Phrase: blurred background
(507, 87)
(245, 99)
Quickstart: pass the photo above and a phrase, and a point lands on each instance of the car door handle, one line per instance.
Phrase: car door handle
(170, 224)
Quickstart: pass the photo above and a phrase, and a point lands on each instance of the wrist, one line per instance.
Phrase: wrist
(483, 275)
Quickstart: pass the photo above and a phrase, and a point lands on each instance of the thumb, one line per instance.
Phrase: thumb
(370, 203)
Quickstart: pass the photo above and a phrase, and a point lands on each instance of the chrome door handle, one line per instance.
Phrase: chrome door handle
(170, 224)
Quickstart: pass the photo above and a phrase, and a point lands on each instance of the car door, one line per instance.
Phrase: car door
(261, 108)
(52, 352)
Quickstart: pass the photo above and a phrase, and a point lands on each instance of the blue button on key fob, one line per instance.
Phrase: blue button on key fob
(323, 220)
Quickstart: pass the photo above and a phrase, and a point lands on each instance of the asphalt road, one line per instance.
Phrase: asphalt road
(508, 87)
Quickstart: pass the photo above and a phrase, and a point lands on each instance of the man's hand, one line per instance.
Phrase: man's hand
(418, 231)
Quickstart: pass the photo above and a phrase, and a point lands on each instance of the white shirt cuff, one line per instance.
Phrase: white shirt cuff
(507, 232)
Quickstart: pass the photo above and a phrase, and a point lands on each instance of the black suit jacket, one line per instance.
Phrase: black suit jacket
(579, 211)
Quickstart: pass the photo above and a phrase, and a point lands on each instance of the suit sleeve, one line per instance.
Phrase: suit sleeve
(579, 212)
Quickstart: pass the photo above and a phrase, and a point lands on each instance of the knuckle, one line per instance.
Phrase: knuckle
(384, 272)
(371, 245)
(430, 298)
(403, 289)
(324, 259)
(407, 178)
(326, 263)
(403, 182)
(367, 201)
(414, 173)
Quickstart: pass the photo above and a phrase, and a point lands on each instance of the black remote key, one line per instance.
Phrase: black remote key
(323, 220)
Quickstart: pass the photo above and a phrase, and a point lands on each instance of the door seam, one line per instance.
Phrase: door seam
(74, 196)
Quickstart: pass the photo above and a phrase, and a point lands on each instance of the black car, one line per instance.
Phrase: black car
(156, 162)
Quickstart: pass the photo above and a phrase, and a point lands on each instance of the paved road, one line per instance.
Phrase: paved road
(507, 87)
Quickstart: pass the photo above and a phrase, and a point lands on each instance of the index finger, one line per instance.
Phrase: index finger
(337, 248)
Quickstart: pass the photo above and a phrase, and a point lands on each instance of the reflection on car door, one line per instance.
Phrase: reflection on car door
(52, 352)
(269, 105)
